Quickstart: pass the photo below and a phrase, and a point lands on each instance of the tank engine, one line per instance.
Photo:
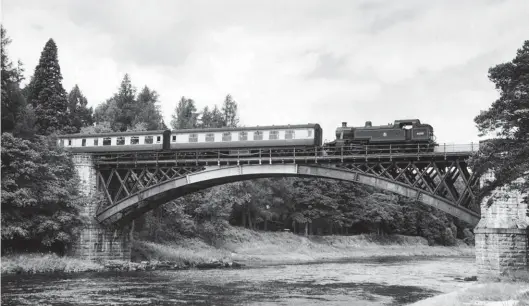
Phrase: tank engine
(401, 133)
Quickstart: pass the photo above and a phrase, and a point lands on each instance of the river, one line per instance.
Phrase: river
(372, 281)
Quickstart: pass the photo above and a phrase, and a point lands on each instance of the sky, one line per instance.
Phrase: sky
(284, 62)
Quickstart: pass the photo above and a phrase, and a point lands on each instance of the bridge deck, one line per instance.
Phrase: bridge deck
(287, 155)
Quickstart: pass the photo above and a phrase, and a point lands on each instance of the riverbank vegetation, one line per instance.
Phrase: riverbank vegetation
(46, 263)
(240, 246)
(252, 247)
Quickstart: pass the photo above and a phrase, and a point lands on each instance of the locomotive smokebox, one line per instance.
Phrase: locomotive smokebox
(344, 124)
(368, 124)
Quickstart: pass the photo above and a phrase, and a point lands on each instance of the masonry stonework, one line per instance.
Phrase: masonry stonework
(95, 241)
(502, 236)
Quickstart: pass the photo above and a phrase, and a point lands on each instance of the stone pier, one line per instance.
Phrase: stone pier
(502, 246)
(96, 242)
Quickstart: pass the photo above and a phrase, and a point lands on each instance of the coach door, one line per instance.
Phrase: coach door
(166, 139)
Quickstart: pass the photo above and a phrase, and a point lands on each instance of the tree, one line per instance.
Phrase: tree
(185, 115)
(47, 95)
(13, 101)
(126, 104)
(148, 112)
(125, 111)
(507, 156)
(206, 119)
(229, 110)
(79, 114)
(40, 199)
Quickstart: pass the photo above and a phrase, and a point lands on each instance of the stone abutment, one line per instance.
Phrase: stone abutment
(95, 241)
(502, 246)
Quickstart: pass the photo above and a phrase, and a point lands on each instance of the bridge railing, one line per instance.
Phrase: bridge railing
(284, 154)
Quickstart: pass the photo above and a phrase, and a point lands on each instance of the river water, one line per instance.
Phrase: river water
(375, 281)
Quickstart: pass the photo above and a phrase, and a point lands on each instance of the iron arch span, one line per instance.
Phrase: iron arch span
(149, 198)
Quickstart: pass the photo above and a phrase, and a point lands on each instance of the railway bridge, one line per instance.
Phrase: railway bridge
(135, 182)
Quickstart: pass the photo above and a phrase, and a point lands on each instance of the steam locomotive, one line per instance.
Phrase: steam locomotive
(400, 134)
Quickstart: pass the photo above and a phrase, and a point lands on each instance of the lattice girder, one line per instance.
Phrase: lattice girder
(120, 183)
(447, 179)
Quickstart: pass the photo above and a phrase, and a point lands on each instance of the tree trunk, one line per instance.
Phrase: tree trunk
(306, 229)
(243, 219)
(250, 223)
(265, 223)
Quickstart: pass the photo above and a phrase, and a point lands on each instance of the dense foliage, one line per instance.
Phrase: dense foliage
(40, 200)
(126, 110)
(507, 155)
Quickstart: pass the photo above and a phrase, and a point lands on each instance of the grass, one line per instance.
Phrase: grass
(193, 252)
(252, 246)
(504, 293)
(45, 263)
(247, 247)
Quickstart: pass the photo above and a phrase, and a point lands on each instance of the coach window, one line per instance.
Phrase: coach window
(258, 135)
(69, 142)
(83, 143)
(310, 133)
(158, 139)
(243, 136)
(120, 141)
(134, 140)
(96, 141)
(210, 137)
(290, 134)
(148, 140)
(226, 136)
(274, 135)
(193, 137)
(107, 141)
(174, 138)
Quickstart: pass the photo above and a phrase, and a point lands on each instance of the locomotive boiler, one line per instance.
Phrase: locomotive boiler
(401, 133)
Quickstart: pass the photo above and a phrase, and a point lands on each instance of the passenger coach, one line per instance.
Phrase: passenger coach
(278, 136)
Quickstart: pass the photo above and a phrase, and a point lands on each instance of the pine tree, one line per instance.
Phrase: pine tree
(185, 115)
(47, 95)
(148, 112)
(229, 111)
(79, 114)
(126, 104)
(508, 154)
(13, 101)
(217, 118)
(206, 119)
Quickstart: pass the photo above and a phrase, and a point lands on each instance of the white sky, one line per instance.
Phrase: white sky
(284, 61)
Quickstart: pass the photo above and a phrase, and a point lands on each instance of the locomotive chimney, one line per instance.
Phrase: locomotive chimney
(344, 124)
(368, 124)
